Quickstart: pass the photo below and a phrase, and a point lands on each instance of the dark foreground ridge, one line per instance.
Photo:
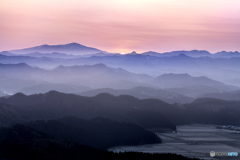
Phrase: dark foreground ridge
(99, 133)
(55, 105)
(147, 113)
(24, 143)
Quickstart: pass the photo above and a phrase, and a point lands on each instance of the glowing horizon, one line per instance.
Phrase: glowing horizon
(122, 26)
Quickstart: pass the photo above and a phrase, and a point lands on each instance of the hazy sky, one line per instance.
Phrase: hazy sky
(122, 25)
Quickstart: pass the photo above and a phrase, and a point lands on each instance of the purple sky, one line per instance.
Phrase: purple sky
(122, 25)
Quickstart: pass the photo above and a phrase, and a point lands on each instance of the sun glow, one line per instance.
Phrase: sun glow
(123, 53)
(122, 26)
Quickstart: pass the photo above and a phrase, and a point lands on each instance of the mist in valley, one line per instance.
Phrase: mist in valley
(136, 98)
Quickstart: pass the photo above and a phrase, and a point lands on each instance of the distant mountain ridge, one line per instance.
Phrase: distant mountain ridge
(225, 54)
(6, 53)
(51, 55)
(143, 93)
(78, 78)
(182, 80)
(71, 48)
(230, 96)
(44, 87)
(194, 53)
(191, 86)
(223, 69)
(79, 49)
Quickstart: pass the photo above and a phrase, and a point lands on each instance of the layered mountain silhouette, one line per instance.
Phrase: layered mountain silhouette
(6, 53)
(225, 54)
(195, 53)
(72, 75)
(54, 105)
(192, 53)
(67, 96)
(231, 96)
(147, 113)
(51, 55)
(71, 48)
(65, 51)
(143, 93)
(189, 85)
(222, 66)
(44, 87)
(79, 78)
(182, 80)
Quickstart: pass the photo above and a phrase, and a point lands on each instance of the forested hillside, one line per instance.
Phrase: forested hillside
(24, 143)
(98, 133)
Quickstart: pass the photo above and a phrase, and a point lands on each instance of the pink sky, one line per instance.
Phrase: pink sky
(122, 25)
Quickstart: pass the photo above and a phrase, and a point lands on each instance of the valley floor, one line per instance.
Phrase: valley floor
(195, 140)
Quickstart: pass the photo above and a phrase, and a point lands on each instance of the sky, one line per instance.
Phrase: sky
(122, 25)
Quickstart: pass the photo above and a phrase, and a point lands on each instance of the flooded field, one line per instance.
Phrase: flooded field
(192, 141)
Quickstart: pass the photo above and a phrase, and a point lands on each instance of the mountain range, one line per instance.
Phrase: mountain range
(221, 66)
(54, 105)
(76, 79)
(230, 96)
(143, 93)
(147, 113)
(71, 48)
(76, 49)
(70, 95)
